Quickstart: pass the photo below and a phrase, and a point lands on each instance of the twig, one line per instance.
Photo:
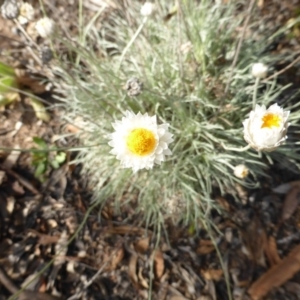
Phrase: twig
(283, 70)
(132, 41)
(23, 181)
(11, 287)
(30, 40)
(8, 284)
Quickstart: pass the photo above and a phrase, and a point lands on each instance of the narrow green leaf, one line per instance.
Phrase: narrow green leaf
(7, 83)
(41, 169)
(54, 163)
(6, 70)
(40, 142)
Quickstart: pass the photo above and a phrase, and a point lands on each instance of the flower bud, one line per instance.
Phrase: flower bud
(241, 171)
(44, 27)
(26, 13)
(259, 70)
(147, 9)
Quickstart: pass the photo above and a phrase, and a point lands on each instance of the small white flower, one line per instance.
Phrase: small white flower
(259, 70)
(265, 129)
(9, 9)
(241, 171)
(26, 13)
(147, 9)
(44, 27)
(138, 142)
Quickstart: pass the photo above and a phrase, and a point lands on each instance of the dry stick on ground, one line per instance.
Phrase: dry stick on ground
(22, 180)
(277, 275)
(25, 295)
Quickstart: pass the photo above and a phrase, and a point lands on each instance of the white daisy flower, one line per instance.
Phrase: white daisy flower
(26, 13)
(259, 70)
(265, 129)
(45, 27)
(241, 171)
(146, 9)
(138, 142)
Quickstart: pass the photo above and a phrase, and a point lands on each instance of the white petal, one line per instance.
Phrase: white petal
(128, 123)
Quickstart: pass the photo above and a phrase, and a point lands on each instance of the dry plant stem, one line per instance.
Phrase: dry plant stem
(238, 48)
(7, 283)
(255, 92)
(29, 39)
(77, 296)
(23, 181)
(132, 41)
(283, 70)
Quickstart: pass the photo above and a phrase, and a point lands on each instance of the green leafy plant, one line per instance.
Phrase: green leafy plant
(44, 159)
(185, 63)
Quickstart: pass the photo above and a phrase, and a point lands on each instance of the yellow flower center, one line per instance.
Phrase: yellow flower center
(141, 141)
(271, 120)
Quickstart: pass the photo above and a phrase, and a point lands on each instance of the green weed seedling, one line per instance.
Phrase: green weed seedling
(43, 159)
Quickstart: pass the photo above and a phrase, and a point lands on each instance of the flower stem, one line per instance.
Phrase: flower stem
(132, 41)
(255, 92)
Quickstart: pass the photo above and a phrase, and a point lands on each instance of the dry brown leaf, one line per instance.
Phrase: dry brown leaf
(126, 229)
(205, 247)
(142, 245)
(254, 238)
(25, 79)
(290, 203)
(132, 268)
(116, 258)
(277, 275)
(142, 281)
(47, 239)
(212, 274)
(43, 286)
(271, 252)
(159, 264)
(12, 158)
